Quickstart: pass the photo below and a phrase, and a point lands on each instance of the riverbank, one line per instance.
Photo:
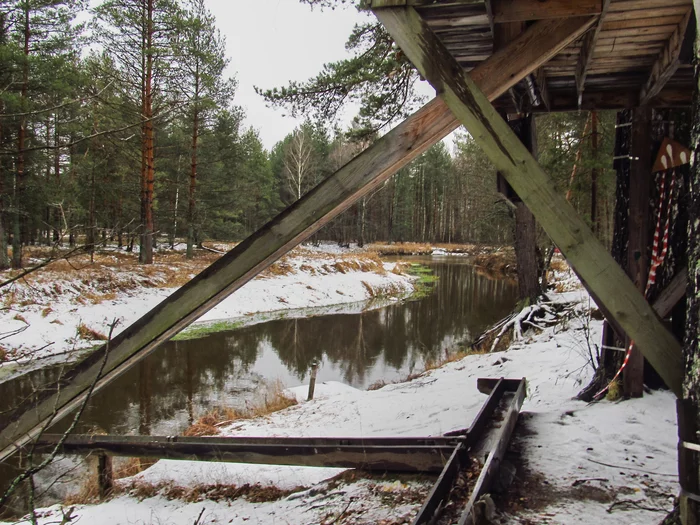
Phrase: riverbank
(612, 462)
(67, 307)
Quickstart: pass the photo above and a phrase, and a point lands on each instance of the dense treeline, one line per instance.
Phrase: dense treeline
(123, 129)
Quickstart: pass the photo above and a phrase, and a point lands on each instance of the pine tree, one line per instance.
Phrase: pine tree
(202, 63)
(139, 35)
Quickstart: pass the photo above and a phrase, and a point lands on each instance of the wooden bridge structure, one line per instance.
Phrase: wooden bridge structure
(557, 55)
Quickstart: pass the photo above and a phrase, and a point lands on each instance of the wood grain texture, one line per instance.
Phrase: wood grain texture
(666, 63)
(586, 54)
(525, 10)
(559, 219)
(359, 177)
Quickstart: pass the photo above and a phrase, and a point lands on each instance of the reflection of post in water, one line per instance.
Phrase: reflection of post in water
(188, 386)
(145, 397)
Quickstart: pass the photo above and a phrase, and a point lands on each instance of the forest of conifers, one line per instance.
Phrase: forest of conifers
(123, 129)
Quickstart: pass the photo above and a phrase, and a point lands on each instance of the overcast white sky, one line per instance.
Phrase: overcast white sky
(271, 42)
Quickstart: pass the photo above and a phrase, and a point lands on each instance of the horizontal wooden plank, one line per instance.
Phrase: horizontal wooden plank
(637, 14)
(393, 458)
(459, 21)
(665, 30)
(642, 23)
(633, 49)
(629, 5)
(656, 39)
(523, 10)
(616, 99)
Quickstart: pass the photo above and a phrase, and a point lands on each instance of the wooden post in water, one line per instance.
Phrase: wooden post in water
(105, 476)
(312, 381)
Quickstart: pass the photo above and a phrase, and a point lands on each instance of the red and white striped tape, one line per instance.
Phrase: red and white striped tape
(657, 258)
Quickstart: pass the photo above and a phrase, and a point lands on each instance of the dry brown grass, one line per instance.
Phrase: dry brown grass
(614, 391)
(402, 248)
(256, 493)
(89, 334)
(127, 467)
(559, 265)
(274, 400)
(501, 262)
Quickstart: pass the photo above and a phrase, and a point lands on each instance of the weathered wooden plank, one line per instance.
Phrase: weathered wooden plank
(666, 63)
(378, 4)
(489, 471)
(648, 13)
(629, 5)
(609, 40)
(617, 99)
(396, 458)
(564, 226)
(674, 292)
(525, 10)
(441, 490)
(626, 50)
(642, 23)
(586, 54)
(97, 440)
(359, 177)
(665, 30)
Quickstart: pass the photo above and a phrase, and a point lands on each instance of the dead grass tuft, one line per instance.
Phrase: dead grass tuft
(127, 467)
(46, 311)
(500, 262)
(274, 400)
(89, 334)
(614, 391)
(19, 317)
(255, 493)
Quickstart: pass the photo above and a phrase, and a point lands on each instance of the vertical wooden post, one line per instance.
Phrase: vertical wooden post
(594, 174)
(105, 476)
(312, 380)
(688, 461)
(637, 259)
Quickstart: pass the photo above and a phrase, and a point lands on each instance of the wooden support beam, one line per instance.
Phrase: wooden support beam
(399, 455)
(524, 10)
(637, 259)
(490, 470)
(559, 219)
(666, 63)
(585, 56)
(674, 292)
(359, 177)
(105, 476)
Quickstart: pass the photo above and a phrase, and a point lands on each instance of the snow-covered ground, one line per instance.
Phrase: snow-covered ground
(608, 462)
(42, 314)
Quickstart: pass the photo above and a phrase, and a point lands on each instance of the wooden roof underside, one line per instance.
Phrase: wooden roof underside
(638, 51)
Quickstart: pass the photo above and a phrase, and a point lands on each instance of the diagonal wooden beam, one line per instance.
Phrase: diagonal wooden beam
(585, 56)
(666, 63)
(359, 177)
(559, 219)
